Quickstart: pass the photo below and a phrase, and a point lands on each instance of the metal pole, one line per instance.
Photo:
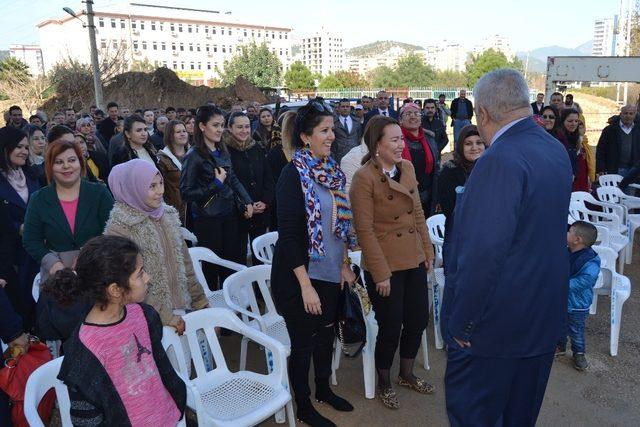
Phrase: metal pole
(97, 82)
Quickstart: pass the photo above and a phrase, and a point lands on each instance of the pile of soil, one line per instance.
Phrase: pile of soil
(161, 88)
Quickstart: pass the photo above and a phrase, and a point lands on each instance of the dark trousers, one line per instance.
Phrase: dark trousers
(221, 235)
(402, 316)
(493, 391)
(5, 411)
(575, 329)
(311, 338)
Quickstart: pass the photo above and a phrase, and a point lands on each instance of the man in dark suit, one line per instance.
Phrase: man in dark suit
(433, 125)
(507, 274)
(618, 148)
(347, 131)
(538, 105)
(383, 108)
(461, 113)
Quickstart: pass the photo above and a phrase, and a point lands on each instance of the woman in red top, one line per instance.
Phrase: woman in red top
(570, 137)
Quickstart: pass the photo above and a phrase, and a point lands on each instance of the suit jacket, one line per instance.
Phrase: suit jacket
(389, 220)
(345, 140)
(507, 273)
(536, 110)
(16, 207)
(375, 112)
(46, 229)
(608, 149)
(454, 108)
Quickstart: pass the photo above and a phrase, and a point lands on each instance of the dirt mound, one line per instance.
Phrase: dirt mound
(160, 88)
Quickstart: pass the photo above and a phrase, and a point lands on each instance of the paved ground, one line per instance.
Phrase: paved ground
(606, 395)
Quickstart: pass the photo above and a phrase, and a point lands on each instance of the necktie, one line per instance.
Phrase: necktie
(346, 125)
(384, 113)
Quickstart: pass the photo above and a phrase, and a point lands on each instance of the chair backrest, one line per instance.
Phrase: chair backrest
(35, 288)
(205, 321)
(39, 383)
(580, 212)
(173, 347)
(435, 225)
(199, 255)
(239, 287)
(188, 236)
(610, 194)
(607, 266)
(612, 180)
(603, 238)
(264, 245)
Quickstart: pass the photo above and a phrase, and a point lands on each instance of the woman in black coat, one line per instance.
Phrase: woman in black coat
(454, 173)
(252, 169)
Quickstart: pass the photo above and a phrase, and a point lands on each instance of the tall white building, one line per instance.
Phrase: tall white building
(496, 42)
(389, 58)
(30, 55)
(192, 42)
(446, 55)
(604, 36)
(323, 52)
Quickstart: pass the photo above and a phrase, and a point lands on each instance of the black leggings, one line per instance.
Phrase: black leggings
(221, 236)
(311, 336)
(402, 316)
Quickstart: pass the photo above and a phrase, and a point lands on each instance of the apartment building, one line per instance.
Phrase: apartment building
(30, 55)
(323, 53)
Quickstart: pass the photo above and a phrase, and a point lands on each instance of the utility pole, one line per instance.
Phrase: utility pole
(97, 82)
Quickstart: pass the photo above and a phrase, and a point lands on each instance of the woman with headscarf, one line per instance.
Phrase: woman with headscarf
(86, 127)
(454, 173)
(423, 153)
(141, 215)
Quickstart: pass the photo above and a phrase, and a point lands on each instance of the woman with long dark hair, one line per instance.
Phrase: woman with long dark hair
(551, 119)
(310, 262)
(137, 144)
(569, 136)
(215, 196)
(267, 131)
(176, 144)
(396, 253)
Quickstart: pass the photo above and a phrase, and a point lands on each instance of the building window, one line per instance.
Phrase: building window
(172, 26)
(215, 48)
(179, 28)
(206, 29)
(280, 36)
(161, 26)
(198, 47)
(253, 33)
(163, 45)
(191, 47)
(273, 35)
(122, 23)
(245, 33)
(135, 44)
(192, 66)
(144, 45)
(175, 65)
(259, 35)
(222, 31)
(182, 65)
(197, 29)
(155, 46)
(142, 25)
(164, 64)
(115, 44)
(153, 26)
(113, 23)
(103, 43)
(173, 47)
(101, 22)
(230, 33)
(207, 48)
(224, 49)
(189, 29)
(208, 65)
(213, 30)
(199, 65)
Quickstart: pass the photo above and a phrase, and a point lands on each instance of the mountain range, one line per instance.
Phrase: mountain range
(538, 57)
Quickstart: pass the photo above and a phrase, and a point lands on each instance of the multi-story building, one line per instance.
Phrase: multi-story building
(323, 52)
(496, 42)
(389, 58)
(30, 55)
(194, 43)
(604, 36)
(446, 55)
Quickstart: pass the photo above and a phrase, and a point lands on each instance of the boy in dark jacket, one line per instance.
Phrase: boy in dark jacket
(583, 273)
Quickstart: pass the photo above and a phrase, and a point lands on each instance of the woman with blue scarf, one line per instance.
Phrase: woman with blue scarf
(310, 263)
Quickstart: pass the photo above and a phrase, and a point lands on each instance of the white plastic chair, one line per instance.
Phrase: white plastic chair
(435, 225)
(188, 236)
(607, 207)
(617, 241)
(614, 181)
(615, 195)
(264, 245)
(437, 294)
(615, 285)
(200, 255)
(235, 399)
(39, 383)
(35, 288)
(239, 288)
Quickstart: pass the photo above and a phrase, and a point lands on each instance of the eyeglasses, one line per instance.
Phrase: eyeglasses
(545, 116)
(411, 114)
(315, 106)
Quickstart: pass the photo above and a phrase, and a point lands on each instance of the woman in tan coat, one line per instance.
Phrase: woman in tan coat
(176, 144)
(396, 253)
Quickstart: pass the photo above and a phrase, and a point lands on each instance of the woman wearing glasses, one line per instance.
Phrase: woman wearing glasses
(423, 153)
(551, 119)
(310, 261)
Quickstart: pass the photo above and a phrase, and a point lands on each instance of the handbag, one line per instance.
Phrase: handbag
(349, 326)
(13, 381)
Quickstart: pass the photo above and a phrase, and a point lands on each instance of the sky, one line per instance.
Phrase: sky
(422, 22)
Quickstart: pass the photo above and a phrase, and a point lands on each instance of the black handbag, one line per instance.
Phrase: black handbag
(350, 327)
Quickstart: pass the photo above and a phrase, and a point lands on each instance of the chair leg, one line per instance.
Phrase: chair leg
(369, 372)
(335, 362)
(629, 252)
(618, 297)
(594, 304)
(290, 416)
(425, 351)
(243, 353)
(621, 260)
(437, 298)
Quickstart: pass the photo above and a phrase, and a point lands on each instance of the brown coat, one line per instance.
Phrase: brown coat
(389, 220)
(171, 175)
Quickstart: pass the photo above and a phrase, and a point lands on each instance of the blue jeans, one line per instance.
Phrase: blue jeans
(575, 329)
(458, 124)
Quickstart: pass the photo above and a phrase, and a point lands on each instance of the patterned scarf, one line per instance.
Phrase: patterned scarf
(327, 173)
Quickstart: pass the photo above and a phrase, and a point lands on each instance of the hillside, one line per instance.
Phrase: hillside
(538, 57)
(379, 47)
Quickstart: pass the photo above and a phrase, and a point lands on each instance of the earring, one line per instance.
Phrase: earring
(377, 154)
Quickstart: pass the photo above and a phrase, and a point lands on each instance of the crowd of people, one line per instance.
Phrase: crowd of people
(94, 204)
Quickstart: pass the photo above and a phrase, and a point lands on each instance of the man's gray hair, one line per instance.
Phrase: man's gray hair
(501, 92)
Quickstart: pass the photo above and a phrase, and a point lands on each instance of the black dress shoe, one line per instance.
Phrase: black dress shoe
(329, 397)
(307, 414)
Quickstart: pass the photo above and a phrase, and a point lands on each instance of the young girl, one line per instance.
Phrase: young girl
(114, 365)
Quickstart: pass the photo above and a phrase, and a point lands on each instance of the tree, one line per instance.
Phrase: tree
(299, 77)
(383, 77)
(411, 71)
(342, 80)
(488, 60)
(634, 42)
(255, 63)
(17, 84)
(143, 66)
(450, 78)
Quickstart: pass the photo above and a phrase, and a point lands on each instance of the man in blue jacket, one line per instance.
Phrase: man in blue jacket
(505, 298)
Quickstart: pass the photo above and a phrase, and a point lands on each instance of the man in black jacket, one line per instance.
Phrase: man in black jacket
(461, 113)
(433, 125)
(538, 105)
(618, 148)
